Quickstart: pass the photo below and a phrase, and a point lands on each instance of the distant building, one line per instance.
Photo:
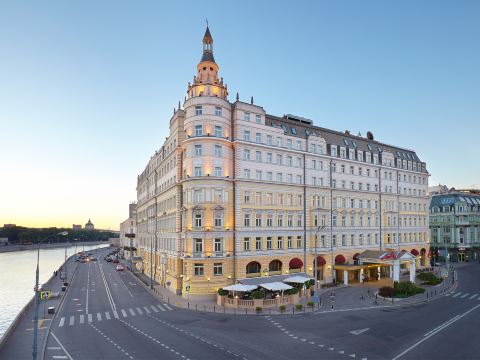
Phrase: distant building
(438, 190)
(76, 227)
(5, 226)
(89, 225)
(132, 210)
(455, 224)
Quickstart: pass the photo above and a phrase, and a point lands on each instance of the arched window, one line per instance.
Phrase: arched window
(253, 267)
(275, 265)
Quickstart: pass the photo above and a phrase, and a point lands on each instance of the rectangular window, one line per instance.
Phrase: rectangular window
(269, 176)
(280, 242)
(258, 220)
(218, 171)
(258, 119)
(246, 135)
(217, 269)
(299, 242)
(218, 111)
(289, 143)
(198, 110)
(269, 243)
(198, 268)
(246, 173)
(289, 242)
(269, 158)
(258, 243)
(198, 130)
(258, 174)
(246, 116)
(198, 245)
(269, 139)
(198, 150)
(246, 154)
(246, 220)
(280, 220)
(258, 138)
(258, 156)
(218, 245)
(246, 244)
(269, 220)
(246, 197)
(218, 151)
(218, 131)
(198, 171)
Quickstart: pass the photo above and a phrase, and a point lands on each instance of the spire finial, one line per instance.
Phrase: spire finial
(238, 97)
(206, 20)
(178, 104)
(251, 100)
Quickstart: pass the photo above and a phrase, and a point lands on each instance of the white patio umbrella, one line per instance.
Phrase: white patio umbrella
(296, 279)
(276, 286)
(240, 288)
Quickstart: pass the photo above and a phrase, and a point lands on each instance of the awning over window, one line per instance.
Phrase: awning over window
(414, 252)
(320, 261)
(295, 263)
(340, 259)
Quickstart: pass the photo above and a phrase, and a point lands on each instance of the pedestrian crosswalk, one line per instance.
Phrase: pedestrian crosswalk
(464, 295)
(107, 315)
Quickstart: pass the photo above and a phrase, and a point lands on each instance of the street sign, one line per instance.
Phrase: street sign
(187, 288)
(444, 273)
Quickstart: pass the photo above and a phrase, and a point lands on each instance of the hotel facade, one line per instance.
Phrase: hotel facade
(235, 193)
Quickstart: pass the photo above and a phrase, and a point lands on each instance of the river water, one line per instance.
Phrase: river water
(17, 277)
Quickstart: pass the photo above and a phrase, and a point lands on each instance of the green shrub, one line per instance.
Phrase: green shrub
(258, 294)
(282, 308)
(386, 291)
(405, 289)
(310, 283)
(299, 307)
(222, 292)
(311, 304)
(429, 278)
(258, 309)
(291, 291)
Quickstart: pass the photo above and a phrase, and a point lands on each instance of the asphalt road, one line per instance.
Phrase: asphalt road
(110, 315)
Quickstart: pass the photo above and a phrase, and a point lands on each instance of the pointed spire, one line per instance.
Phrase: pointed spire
(238, 97)
(207, 46)
(251, 100)
(178, 104)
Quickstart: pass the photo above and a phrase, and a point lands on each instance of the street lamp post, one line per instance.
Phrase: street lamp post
(36, 296)
(315, 297)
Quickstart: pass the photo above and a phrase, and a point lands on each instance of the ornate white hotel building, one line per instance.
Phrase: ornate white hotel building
(235, 192)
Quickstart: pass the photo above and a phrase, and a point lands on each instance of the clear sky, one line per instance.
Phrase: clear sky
(87, 88)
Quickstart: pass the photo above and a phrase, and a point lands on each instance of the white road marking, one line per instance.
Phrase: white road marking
(54, 348)
(473, 296)
(99, 317)
(160, 307)
(358, 332)
(146, 310)
(131, 311)
(59, 357)
(437, 329)
(62, 321)
(168, 307)
(82, 319)
(124, 313)
(72, 320)
(154, 308)
(352, 355)
(107, 315)
(63, 348)
(88, 280)
(115, 315)
(90, 318)
(139, 311)
(457, 294)
(464, 295)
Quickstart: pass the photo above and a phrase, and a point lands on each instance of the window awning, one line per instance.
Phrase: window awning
(240, 287)
(297, 279)
(276, 286)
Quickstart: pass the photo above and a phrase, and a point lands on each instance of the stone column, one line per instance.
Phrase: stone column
(413, 270)
(396, 270)
(378, 274)
(361, 276)
(345, 277)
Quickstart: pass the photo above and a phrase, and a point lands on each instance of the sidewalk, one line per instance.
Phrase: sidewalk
(338, 298)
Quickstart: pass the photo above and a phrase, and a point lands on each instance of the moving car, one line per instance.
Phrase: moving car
(120, 267)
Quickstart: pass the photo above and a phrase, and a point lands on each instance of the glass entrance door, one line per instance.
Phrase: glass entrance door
(461, 257)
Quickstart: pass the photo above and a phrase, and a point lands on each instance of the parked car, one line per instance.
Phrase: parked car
(93, 258)
(120, 267)
(115, 261)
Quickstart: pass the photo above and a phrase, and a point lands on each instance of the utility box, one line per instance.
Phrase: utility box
(64, 288)
(51, 309)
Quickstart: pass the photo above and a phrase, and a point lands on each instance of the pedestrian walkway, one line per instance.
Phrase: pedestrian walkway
(465, 296)
(71, 320)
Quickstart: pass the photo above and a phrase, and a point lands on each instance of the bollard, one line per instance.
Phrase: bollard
(427, 294)
(246, 311)
(196, 309)
(213, 308)
(188, 305)
(332, 307)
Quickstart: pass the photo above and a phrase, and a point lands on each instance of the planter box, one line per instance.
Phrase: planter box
(258, 303)
(220, 300)
(294, 299)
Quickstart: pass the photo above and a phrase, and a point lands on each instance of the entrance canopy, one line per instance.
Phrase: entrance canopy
(276, 286)
(384, 256)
